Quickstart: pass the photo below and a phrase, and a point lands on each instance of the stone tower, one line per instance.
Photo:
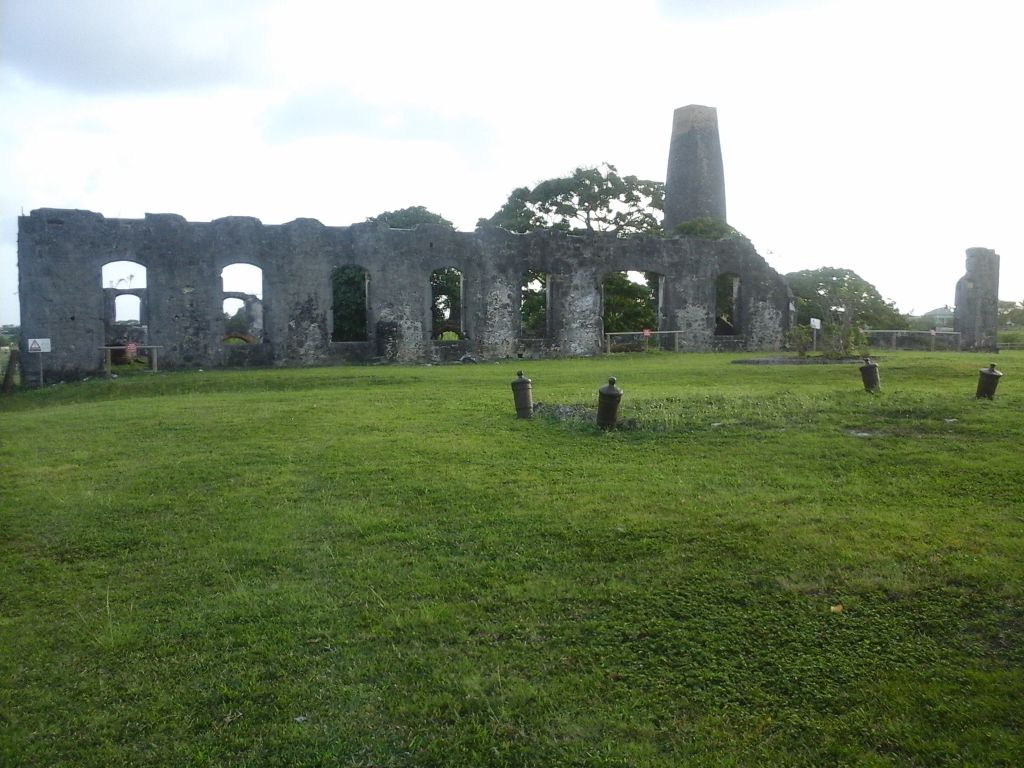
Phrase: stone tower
(695, 182)
(977, 300)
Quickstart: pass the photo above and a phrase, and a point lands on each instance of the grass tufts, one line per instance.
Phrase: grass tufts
(383, 566)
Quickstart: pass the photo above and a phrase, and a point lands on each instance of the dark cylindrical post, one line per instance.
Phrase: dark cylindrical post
(869, 373)
(522, 393)
(988, 379)
(608, 404)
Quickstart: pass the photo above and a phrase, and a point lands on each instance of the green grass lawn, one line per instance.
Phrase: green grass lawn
(381, 566)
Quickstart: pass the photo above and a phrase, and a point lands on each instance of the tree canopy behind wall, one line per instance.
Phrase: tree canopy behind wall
(348, 284)
(589, 199)
(592, 200)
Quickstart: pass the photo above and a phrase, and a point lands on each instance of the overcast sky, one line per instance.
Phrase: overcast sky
(885, 136)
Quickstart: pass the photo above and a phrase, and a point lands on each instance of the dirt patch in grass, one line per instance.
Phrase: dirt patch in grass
(556, 412)
(577, 415)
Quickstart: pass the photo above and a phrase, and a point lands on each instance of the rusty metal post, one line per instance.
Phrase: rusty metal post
(988, 380)
(869, 374)
(608, 399)
(522, 393)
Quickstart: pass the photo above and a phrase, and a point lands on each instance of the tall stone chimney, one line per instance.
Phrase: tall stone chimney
(695, 183)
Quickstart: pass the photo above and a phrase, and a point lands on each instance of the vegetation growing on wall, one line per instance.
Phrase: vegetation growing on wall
(708, 228)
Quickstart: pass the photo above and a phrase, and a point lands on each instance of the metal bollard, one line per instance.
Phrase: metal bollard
(608, 404)
(869, 373)
(988, 379)
(522, 393)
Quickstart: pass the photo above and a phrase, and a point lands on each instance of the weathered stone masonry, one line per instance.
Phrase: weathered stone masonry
(977, 300)
(61, 254)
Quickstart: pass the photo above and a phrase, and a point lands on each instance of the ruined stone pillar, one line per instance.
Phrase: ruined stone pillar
(695, 182)
(582, 330)
(977, 300)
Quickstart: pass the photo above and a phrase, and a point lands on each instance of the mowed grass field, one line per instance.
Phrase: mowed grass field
(381, 566)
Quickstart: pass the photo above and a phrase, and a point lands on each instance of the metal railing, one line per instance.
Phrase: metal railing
(927, 340)
(643, 341)
(673, 341)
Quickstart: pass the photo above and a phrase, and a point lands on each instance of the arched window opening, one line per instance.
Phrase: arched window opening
(631, 301)
(349, 291)
(446, 304)
(242, 303)
(533, 305)
(124, 275)
(236, 322)
(128, 308)
(125, 315)
(727, 296)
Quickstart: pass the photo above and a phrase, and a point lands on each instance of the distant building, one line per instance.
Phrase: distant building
(939, 318)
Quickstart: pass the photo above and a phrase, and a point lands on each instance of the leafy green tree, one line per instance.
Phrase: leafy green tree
(349, 287)
(407, 218)
(517, 214)
(1011, 315)
(837, 295)
(629, 306)
(590, 199)
(534, 305)
(237, 323)
(844, 302)
(595, 200)
(446, 301)
(1010, 323)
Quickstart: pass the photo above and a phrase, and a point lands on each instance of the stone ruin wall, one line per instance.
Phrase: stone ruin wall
(61, 254)
(976, 314)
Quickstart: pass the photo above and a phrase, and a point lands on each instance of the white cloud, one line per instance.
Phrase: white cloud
(102, 46)
(879, 136)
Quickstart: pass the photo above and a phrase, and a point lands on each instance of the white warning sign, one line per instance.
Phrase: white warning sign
(38, 345)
